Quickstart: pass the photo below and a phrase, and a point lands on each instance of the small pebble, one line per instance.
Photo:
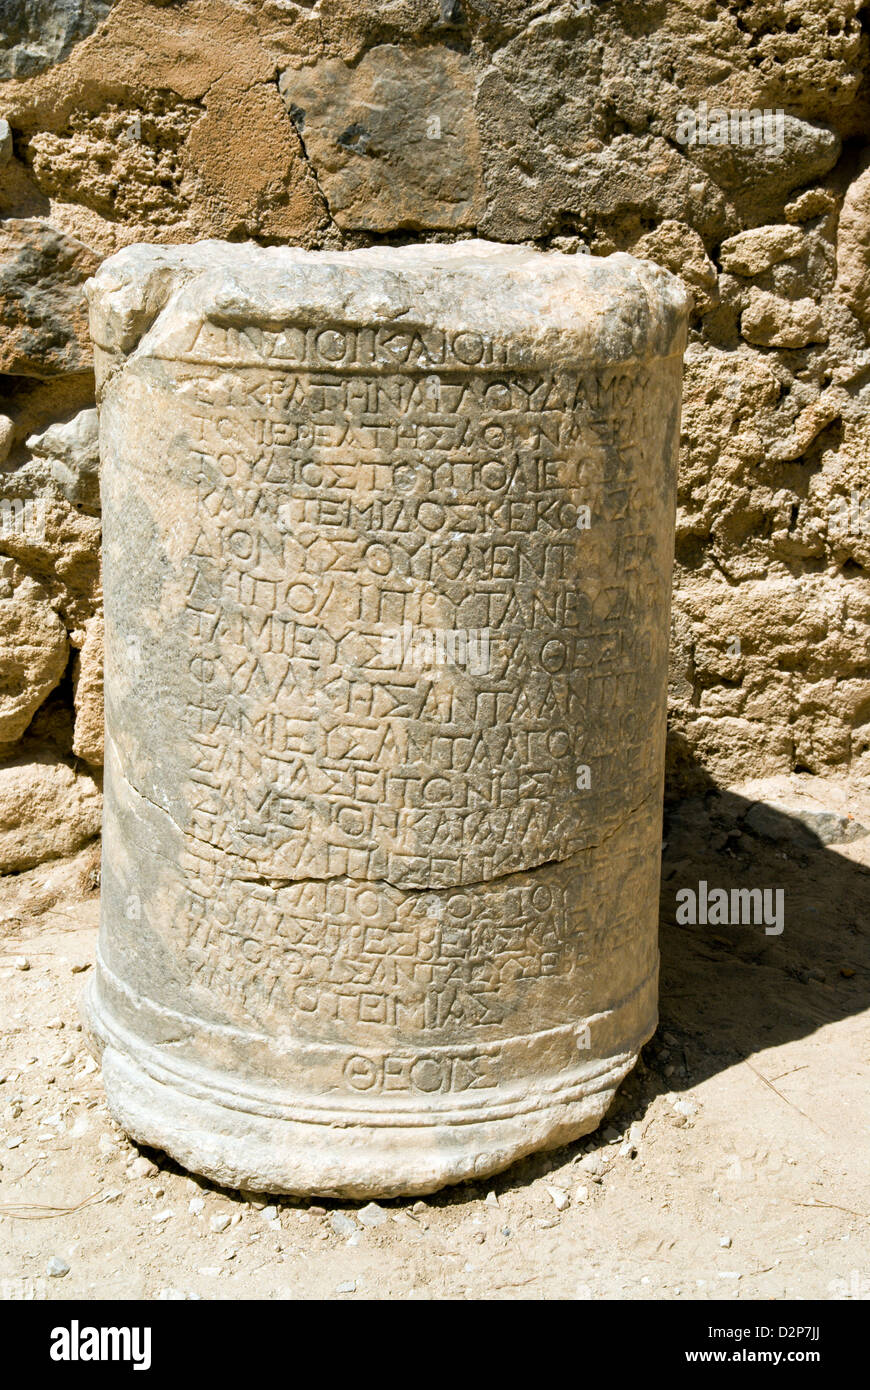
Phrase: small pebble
(725, 1242)
(21, 962)
(491, 1199)
(142, 1167)
(195, 1205)
(560, 1199)
(161, 1216)
(342, 1224)
(685, 1106)
(371, 1215)
(593, 1167)
(581, 1194)
(219, 1222)
(57, 1267)
(348, 1287)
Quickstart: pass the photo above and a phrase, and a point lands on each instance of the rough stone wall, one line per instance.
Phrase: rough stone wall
(351, 122)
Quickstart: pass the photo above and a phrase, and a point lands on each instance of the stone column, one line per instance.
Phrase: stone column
(388, 546)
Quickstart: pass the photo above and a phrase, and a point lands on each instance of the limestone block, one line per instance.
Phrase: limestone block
(70, 450)
(7, 437)
(679, 249)
(805, 151)
(853, 247)
(770, 321)
(388, 540)
(394, 142)
(88, 695)
(46, 810)
(753, 252)
(33, 656)
(43, 316)
(37, 33)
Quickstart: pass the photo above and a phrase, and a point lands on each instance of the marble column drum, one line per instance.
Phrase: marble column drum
(388, 538)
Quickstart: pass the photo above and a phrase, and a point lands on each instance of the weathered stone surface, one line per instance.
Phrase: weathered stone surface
(46, 810)
(853, 248)
(71, 452)
(36, 33)
(51, 543)
(166, 125)
(807, 151)
(806, 714)
(814, 202)
(7, 436)
(394, 144)
(773, 322)
(388, 541)
(123, 161)
(33, 657)
(680, 249)
(753, 252)
(43, 316)
(88, 695)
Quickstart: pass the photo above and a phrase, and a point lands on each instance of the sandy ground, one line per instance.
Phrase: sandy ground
(734, 1163)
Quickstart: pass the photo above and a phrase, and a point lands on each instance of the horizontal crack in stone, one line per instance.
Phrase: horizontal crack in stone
(277, 881)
